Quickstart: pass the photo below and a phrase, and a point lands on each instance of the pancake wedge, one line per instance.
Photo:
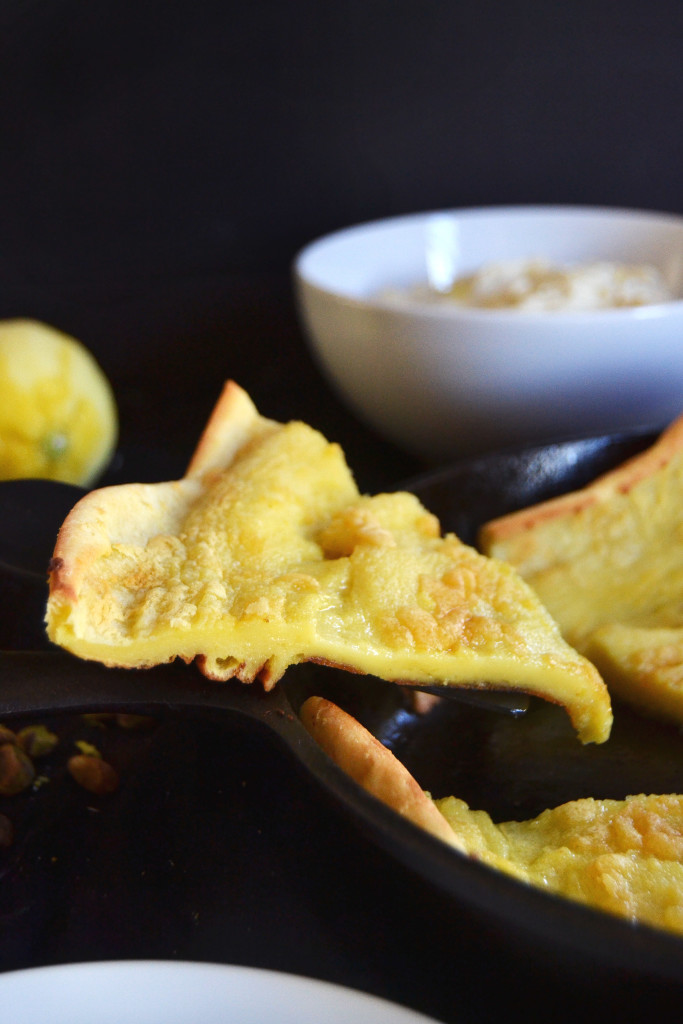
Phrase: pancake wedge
(607, 561)
(265, 555)
(373, 766)
(624, 857)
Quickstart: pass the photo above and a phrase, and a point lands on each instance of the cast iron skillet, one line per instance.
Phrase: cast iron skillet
(510, 766)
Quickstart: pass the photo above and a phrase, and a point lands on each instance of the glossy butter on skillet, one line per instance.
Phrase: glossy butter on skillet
(623, 856)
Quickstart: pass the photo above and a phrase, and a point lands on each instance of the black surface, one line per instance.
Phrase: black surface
(147, 139)
(217, 848)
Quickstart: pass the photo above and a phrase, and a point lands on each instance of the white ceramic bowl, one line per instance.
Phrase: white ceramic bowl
(444, 381)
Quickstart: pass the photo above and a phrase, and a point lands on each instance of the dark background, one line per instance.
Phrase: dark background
(163, 162)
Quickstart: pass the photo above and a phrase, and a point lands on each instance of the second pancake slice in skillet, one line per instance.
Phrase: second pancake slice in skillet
(607, 561)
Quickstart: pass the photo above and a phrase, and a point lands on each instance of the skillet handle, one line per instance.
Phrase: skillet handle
(52, 681)
(49, 682)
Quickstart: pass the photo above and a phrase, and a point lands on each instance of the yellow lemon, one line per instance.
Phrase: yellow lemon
(58, 417)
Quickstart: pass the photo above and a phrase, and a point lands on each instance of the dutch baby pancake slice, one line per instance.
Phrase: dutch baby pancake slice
(265, 555)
